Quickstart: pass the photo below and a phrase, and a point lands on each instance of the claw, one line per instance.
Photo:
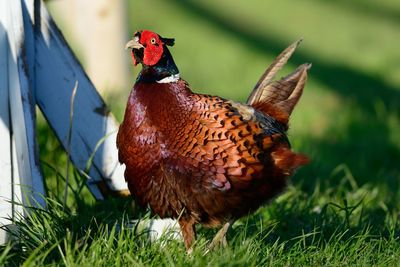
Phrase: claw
(220, 237)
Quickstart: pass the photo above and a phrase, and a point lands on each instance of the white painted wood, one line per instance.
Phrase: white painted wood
(56, 71)
(17, 194)
(17, 122)
(53, 70)
(3, 236)
(22, 109)
(5, 134)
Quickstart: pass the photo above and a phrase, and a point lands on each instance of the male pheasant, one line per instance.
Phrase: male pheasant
(201, 158)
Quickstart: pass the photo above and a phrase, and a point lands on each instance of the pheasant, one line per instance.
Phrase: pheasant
(204, 159)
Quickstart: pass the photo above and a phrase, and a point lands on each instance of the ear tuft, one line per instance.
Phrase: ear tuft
(168, 41)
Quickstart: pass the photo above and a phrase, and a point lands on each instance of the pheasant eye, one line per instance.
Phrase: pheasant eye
(153, 41)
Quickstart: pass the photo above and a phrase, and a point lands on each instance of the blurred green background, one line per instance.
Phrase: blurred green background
(349, 114)
(348, 118)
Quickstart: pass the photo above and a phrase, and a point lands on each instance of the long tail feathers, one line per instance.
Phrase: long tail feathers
(286, 92)
(278, 98)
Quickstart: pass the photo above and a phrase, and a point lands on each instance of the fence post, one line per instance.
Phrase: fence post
(38, 67)
(21, 179)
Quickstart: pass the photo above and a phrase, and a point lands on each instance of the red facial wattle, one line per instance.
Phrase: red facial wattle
(152, 55)
(153, 47)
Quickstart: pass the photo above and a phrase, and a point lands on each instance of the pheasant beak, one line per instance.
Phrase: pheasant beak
(133, 44)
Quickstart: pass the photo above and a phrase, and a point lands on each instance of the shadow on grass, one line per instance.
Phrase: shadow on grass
(364, 141)
(363, 146)
(298, 217)
(350, 83)
(301, 219)
(375, 9)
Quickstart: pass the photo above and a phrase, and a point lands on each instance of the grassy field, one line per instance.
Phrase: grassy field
(341, 209)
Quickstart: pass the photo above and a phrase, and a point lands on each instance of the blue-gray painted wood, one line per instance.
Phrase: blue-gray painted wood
(38, 67)
(56, 72)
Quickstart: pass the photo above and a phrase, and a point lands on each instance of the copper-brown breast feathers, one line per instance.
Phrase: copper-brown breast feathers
(221, 143)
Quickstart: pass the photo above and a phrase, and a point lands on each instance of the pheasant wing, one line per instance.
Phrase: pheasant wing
(225, 143)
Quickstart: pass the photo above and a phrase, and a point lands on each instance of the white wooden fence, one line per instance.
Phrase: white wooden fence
(38, 68)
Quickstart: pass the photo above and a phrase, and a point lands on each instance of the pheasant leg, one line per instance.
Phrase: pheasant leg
(220, 237)
(188, 233)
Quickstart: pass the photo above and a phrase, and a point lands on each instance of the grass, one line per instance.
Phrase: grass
(348, 227)
(342, 209)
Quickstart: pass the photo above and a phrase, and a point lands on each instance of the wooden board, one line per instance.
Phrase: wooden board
(22, 109)
(5, 134)
(20, 177)
(37, 67)
(56, 72)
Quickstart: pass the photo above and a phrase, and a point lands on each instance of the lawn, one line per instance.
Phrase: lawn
(341, 209)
